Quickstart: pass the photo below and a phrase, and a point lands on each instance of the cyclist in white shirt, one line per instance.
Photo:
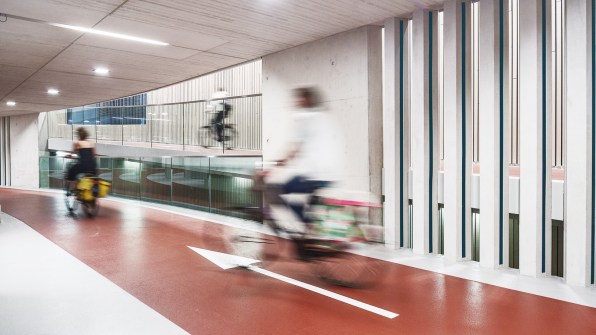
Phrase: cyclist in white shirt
(314, 152)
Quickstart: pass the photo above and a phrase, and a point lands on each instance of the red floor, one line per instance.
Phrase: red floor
(145, 252)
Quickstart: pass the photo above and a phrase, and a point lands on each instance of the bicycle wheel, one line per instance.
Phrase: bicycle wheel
(264, 247)
(70, 199)
(206, 136)
(344, 268)
(91, 208)
(230, 136)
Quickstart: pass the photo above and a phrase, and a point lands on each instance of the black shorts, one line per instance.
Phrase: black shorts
(79, 168)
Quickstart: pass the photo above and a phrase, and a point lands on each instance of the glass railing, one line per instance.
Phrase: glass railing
(220, 185)
(178, 126)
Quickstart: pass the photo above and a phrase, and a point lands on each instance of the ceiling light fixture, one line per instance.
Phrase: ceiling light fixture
(101, 70)
(109, 34)
(53, 91)
(11, 103)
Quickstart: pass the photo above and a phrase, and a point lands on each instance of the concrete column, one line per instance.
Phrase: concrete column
(425, 154)
(396, 137)
(535, 155)
(24, 151)
(493, 128)
(458, 126)
(579, 175)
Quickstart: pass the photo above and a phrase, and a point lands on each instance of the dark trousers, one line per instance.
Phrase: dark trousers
(295, 185)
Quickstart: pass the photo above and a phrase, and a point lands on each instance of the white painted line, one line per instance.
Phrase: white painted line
(326, 293)
(227, 261)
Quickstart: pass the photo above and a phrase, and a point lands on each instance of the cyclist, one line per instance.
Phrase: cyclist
(85, 150)
(221, 110)
(313, 158)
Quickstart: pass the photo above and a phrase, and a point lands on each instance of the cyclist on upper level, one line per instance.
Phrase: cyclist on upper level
(221, 109)
(85, 150)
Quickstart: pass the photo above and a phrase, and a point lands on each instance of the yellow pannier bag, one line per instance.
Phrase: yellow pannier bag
(85, 188)
(103, 188)
(91, 188)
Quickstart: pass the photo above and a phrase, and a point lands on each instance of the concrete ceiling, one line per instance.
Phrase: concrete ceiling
(203, 36)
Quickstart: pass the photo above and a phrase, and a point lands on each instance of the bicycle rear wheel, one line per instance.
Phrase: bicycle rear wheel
(343, 268)
(230, 136)
(91, 208)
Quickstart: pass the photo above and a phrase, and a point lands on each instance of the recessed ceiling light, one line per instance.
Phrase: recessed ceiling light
(109, 34)
(101, 70)
(53, 91)
(11, 103)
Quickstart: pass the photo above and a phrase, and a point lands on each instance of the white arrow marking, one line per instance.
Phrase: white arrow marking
(227, 261)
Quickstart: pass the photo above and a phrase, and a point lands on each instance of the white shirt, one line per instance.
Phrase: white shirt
(218, 99)
(318, 141)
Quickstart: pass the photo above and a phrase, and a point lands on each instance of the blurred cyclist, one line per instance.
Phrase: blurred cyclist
(221, 109)
(85, 150)
(313, 155)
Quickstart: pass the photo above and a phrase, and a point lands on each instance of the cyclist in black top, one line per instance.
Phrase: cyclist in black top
(85, 150)
(221, 109)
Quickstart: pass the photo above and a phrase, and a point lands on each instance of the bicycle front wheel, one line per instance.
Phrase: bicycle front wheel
(263, 247)
(70, 199)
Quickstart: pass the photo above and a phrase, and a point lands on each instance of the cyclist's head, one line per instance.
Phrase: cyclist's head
(306, 97)
(82, 133)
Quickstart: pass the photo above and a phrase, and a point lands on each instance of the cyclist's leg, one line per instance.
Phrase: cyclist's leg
(71, 176)
(219, 127)
(299, 184)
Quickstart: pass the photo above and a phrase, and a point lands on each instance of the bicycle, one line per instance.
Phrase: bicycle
(337, 230)
(88, 189)
(228, 137)
(228, 134)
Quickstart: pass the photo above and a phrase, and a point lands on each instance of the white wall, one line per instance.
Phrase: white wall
(347, 69)
(24, 151)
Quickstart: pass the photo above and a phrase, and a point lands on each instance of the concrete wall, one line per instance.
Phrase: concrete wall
(24, 151)
(347, 69)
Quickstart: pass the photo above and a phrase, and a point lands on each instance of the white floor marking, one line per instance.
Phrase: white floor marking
(227, 261)
(46, 290)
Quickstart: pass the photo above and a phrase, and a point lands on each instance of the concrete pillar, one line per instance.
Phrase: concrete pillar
(579, 174)
(458, 128)
(396, 138)
(425, 120)
(24, 151)
(494, 132)
(535, 140)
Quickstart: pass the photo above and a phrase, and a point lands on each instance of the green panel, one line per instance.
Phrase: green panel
(232, 185)
(411, 223)
(514, 241)
(190, 182)
(441, 230)
(126, 179)
(156, 179)
(475, 218)
(557, 240)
